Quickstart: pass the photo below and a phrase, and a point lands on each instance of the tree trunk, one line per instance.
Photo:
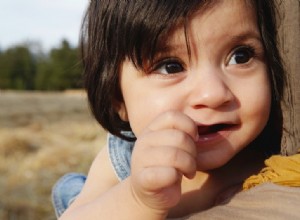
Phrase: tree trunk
(289, 38)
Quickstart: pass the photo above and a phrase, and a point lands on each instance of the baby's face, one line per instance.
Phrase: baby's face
(223, 85)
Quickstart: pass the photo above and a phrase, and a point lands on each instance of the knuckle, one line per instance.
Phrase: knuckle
(191, 164)
(175, 156)
(181, 160)
(149, 177)
(185, 142)
(181, 138)
(170, 116)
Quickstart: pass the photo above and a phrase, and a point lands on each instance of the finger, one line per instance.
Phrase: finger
(174, 120)
(166, 156)
(159, 177)
(168, 137)
(163, 184)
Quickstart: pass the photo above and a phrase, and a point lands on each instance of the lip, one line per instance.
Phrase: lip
(215, 133)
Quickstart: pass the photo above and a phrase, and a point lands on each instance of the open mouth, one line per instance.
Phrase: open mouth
(207, 130)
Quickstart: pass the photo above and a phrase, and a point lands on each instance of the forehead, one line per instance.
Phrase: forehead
(228, 19)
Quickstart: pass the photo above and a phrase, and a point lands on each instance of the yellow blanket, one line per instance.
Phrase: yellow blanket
(282, 170)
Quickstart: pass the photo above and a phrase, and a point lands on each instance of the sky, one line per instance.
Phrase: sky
(43, 21)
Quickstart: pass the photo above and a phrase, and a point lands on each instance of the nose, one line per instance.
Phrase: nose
(210, 89)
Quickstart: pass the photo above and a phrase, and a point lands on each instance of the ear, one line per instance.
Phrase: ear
(120, 108)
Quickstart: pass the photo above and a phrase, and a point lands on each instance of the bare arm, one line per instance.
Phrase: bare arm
(104, 197)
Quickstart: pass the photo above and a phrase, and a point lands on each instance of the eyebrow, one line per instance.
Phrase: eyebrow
(171, 49)
(180, 48)
(247, 35)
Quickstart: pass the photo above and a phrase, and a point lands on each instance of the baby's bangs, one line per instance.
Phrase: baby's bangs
(146, 24)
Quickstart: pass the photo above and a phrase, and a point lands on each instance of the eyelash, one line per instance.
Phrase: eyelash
(252, 53)
(163, 62)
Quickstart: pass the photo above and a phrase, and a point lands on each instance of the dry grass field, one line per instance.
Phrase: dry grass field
(42, 136)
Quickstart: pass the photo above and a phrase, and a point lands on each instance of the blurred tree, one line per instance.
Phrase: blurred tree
(17, 68)
(26, 67)
(60, 70)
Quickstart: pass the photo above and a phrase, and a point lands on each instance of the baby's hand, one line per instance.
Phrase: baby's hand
(163, 152)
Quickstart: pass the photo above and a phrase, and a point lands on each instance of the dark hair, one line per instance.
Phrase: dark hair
(270, 138)
(114, 30)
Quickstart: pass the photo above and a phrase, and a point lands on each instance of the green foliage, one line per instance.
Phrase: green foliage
(17, 69)
(22, 69)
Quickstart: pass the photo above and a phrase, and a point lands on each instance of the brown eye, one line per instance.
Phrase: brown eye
(241, 55)
(169, 67)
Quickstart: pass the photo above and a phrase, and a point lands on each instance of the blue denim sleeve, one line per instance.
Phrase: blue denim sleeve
(66, 190)
(120, 152)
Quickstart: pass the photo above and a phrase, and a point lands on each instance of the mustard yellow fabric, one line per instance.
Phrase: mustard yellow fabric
(282, 170)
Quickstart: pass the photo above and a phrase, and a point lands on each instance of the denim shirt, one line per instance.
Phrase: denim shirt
(120, 155)
(70, 185)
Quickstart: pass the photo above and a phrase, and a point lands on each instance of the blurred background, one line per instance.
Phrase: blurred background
(39, 44)
(46, 129)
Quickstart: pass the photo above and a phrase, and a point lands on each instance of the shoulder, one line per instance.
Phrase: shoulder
(100, 179)
(101, 174)
(111, 165)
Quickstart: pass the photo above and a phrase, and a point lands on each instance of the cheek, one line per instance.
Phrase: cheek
(260, 111)
(257, 105)
(263, 101)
